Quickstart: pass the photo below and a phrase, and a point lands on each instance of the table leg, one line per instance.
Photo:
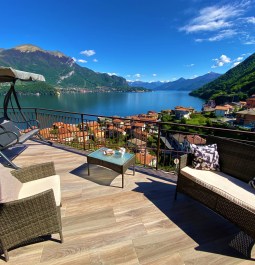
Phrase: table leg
(88, 170)
(122, 180)
(133, 169)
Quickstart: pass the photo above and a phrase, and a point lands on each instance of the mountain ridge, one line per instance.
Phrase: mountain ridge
(179, 84)
(60, 71)
(238, 82)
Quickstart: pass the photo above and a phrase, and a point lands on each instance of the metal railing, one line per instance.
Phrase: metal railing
(156, 144)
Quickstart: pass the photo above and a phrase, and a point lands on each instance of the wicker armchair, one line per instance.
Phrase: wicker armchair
(25, 219)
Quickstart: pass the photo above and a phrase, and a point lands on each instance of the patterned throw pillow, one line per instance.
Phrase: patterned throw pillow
(206, 157)
(252, 183)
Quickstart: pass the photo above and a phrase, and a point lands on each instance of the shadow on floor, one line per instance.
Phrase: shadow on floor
(210, 231)
(12, 153)
(100, 175)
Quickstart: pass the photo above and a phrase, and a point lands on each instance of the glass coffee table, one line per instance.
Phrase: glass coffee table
(115, 162)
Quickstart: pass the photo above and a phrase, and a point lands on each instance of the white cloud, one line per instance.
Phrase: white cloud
(88, 53)
(223, 21)
(190, 65)
(235, 64)
(111, 74)
(250, 20)
(249, 40)
(221, 61)
(154, 75)
(128, 76)
(246, 54)
(213, 18)
(237, 61)
(240, 58)
(137, 75)
(95, 60)
(82, 61)
(74, 59)
(224, 34)
(194, 76)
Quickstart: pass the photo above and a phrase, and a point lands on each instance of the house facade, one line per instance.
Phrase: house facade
(246, 117)
(221, 111)
(182, 112)
(250, 102)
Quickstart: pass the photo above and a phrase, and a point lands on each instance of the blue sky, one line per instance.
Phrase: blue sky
(143, 40)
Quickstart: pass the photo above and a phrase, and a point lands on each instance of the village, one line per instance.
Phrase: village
(140, 133)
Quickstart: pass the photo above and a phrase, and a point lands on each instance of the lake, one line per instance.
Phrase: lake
(109, 104)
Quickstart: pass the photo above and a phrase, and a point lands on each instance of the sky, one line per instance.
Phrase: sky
(146, 40)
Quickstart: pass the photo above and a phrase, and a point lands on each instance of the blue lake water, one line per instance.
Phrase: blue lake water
(109, 104)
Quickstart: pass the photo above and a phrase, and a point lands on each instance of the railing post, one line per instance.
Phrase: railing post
(158, 144)
(36, 114)
(83, 133)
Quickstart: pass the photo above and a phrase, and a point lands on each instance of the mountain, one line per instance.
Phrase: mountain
(238, 82)
(60, 70)
(148, 85)
(189, 84)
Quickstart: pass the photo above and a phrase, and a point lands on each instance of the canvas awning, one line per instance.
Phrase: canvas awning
(8, 74)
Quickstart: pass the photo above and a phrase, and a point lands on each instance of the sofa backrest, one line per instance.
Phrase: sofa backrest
(236, 159)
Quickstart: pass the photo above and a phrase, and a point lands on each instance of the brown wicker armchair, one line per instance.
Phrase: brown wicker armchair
(26, 219)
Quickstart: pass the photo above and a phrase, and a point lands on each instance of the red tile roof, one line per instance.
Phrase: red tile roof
(195, 139)
(144, 158)
(221, 108)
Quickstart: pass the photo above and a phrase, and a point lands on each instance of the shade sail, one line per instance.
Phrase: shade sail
(8, 74)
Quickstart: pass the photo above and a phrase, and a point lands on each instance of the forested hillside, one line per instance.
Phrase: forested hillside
(238, 83)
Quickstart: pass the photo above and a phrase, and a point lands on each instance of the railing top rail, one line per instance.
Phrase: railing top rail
(206, 127)
(158, 123)
(85, 114)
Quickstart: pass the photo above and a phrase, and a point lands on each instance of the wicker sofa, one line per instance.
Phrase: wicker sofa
(226, 192)
(30, 201)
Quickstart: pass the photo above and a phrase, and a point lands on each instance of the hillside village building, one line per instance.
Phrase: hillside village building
(182, 112)
(246, 117)
(221, 111)
(250, 102)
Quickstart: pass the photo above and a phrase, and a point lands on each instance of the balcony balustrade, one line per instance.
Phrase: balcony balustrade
(156, 144)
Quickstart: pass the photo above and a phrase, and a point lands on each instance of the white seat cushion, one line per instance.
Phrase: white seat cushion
(36, 186)
(9, 185)
(12, 189)
(228, 187)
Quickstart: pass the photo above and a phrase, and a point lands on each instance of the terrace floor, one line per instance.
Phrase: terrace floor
(140, 224)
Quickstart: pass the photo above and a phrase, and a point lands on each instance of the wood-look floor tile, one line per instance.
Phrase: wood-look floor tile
(159, 245)
(94, 239)
(121, 253)
(85, 221)
(174, 259)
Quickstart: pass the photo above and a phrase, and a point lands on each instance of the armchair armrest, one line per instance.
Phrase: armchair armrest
(34, 172)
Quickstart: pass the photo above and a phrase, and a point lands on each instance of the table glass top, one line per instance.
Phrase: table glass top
(116, 158)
